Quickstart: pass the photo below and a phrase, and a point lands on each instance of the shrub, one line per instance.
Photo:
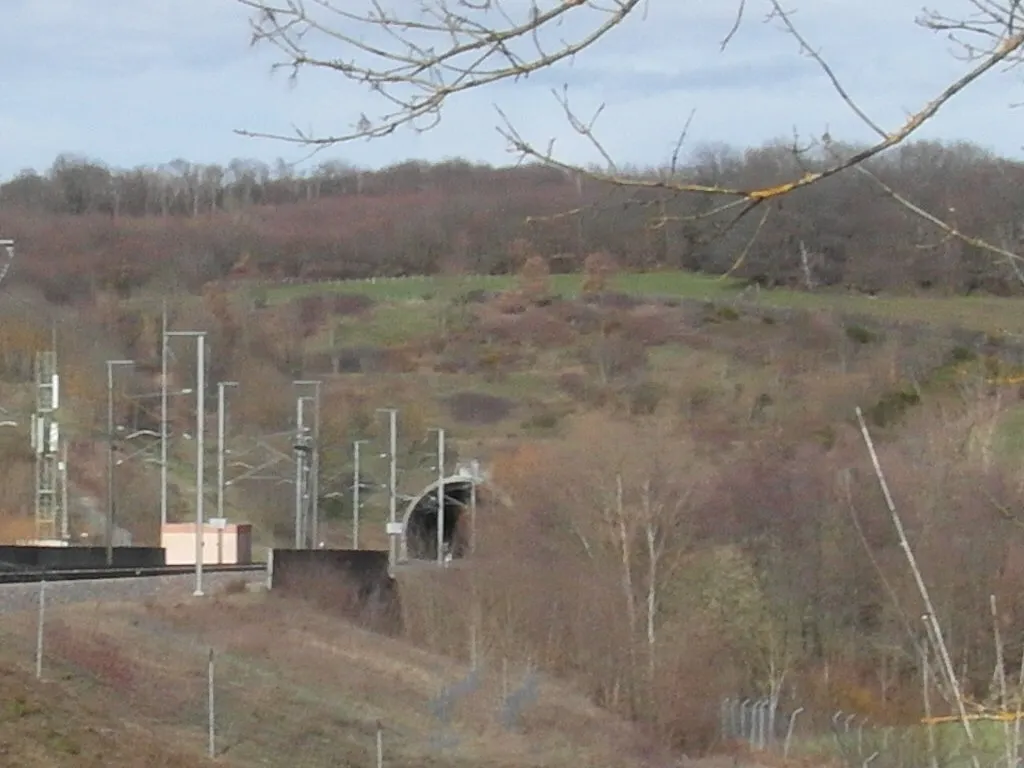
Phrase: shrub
(892, 405)
(575, 384)
(351, 303)
(479, 407)
(861, 335)
(962, 354)
(544, 418)
(645, 397)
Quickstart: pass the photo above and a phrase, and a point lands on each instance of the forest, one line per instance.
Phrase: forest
(88, 227)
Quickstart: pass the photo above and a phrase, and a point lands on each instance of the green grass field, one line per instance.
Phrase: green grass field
(983, 313)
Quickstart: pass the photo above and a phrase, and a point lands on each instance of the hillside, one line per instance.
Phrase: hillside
(84, 228)
(125, 685)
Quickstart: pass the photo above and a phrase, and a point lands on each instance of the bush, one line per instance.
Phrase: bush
(861, 335)
(892, 405)
(351, 303)
(479, 407)
(544, 418)
(645, 397)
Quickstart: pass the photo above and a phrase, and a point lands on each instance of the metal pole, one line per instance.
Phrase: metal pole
(211, 711)
(299, 473)
(221, 449)
(110, 463)
(440, 497)
(314, 502)
(311, 469)
(163, 419)
(357, 481)
(393, 485)
(472, 507)
(40, 624)
(200, 456)
(110, 456)
(65, 533)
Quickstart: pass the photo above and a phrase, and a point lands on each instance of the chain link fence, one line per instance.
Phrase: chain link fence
(852, 739)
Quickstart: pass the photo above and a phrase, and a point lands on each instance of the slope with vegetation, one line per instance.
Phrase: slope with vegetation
(690, 500)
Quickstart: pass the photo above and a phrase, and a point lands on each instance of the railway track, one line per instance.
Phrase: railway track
(85, 574)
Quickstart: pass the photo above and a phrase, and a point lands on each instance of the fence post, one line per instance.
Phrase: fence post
(789, 731)
(270, 569)
(211, 711)
(380, 745)
(724, 715)
(40, 623)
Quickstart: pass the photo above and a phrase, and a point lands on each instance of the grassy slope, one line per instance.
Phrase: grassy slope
(294, 687)
(54, 725)
(409, 308)
(984, 313)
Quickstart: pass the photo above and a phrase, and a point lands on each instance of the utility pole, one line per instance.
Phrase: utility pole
(200, 457)
(200, 337)
(311, 528)
(110, 456)
(440, 497)
(221, 450)
(357, 482)
(392, 528)
(302, 448)
(46, 442)
(163, 418)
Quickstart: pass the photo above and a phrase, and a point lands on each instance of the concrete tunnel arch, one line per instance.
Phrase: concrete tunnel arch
(419, 522)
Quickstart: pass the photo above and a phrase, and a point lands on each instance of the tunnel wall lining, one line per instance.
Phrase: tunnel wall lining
(430, 490)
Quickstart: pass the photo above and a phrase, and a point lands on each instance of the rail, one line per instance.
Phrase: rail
(83, 574)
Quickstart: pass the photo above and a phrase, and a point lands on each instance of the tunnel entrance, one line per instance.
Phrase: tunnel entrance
(419, 540)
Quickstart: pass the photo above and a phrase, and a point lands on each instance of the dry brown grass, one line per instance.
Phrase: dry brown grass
(294, 687)
(52, 725)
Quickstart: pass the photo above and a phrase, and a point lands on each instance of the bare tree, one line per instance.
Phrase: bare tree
(416, 57)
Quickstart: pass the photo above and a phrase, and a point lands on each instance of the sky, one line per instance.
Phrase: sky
(142, 82)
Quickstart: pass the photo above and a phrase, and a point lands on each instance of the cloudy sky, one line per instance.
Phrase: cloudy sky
(135, 82)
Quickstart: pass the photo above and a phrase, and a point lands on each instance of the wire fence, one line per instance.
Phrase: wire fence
(210, 677)
(848, 738)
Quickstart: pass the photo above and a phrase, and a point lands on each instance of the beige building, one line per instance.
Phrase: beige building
(223, 543)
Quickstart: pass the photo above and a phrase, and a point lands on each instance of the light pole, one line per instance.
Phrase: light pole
(357, 482)
(110, 455)
(312, 531)
(200, 337)
(221, 424)
(392, 529)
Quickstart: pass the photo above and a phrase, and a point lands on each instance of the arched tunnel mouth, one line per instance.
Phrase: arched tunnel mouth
(421, 521)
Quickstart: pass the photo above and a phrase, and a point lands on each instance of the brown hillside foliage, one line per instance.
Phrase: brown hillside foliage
(662, 577)
(89, 228)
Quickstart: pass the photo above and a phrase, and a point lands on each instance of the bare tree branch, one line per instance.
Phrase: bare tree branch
(951, 231)
(419, 58)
